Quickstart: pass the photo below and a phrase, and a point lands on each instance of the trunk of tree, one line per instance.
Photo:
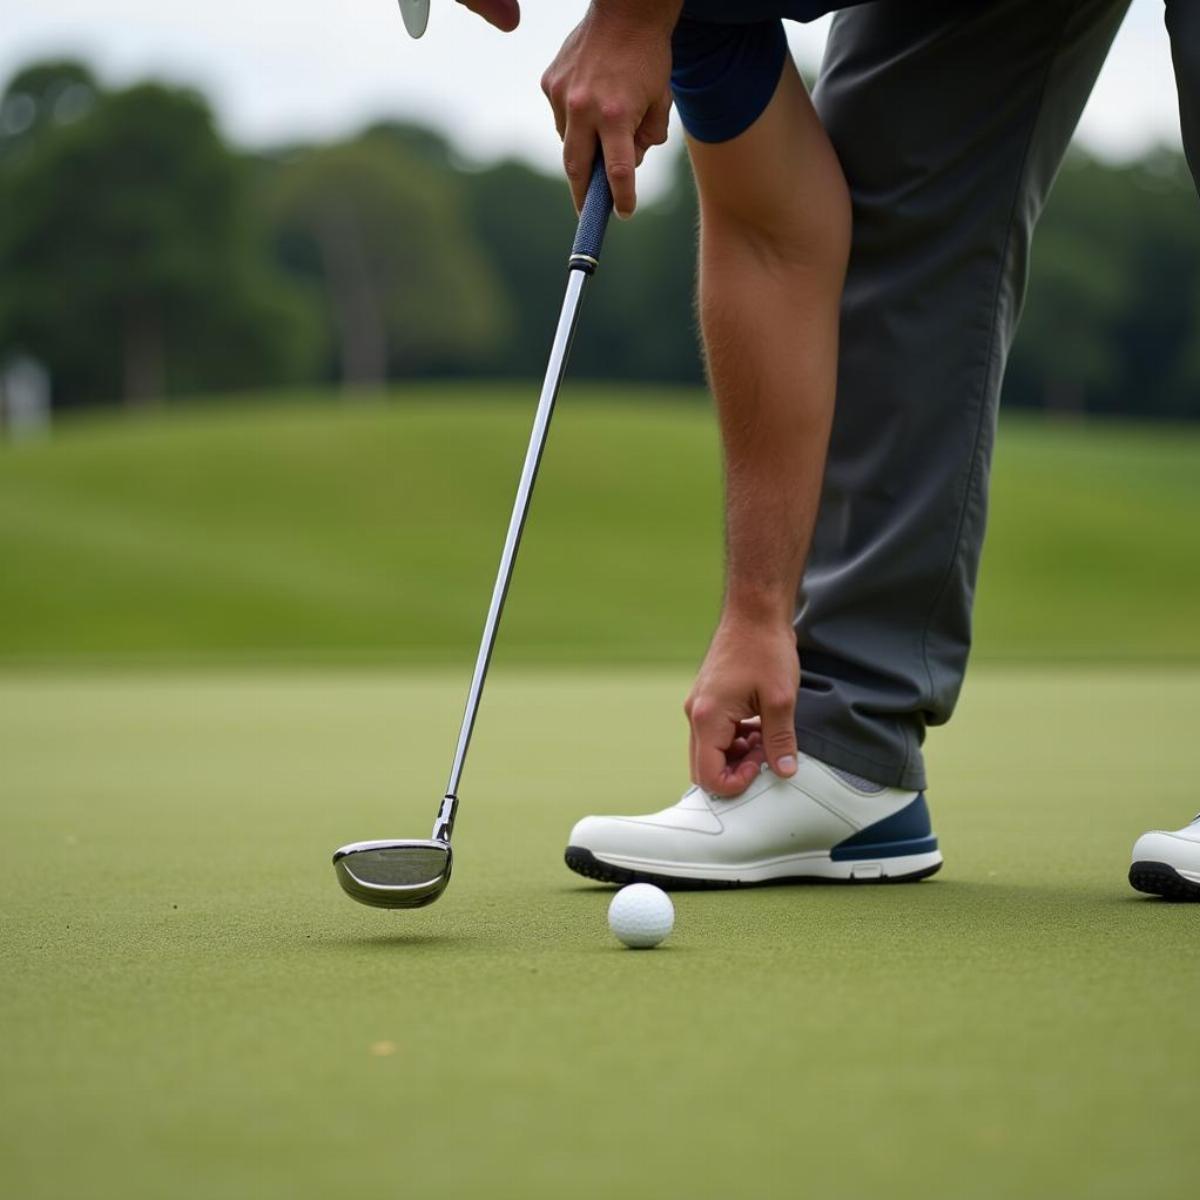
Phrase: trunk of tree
(1065, 398)
(144, 360)
(358, 314)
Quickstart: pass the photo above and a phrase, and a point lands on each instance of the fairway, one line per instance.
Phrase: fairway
(191, 1008)
(360, 532)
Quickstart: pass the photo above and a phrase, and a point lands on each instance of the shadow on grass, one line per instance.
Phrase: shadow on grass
(424, 942)
(932, 894)
(774, 887)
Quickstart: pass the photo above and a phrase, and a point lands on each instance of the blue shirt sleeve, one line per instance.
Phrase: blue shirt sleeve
(727, 56)
(724, 74)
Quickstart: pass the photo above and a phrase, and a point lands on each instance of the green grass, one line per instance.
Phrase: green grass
(190, 1007)
(370, 532)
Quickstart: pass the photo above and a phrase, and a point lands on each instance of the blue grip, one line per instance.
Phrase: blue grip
(593, 220)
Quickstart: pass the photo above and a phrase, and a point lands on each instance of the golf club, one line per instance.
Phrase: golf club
(409, 874)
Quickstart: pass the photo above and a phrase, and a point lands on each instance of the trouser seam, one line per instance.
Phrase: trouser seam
(989, 358)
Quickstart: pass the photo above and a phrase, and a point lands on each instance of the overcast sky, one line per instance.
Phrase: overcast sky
(277, 69)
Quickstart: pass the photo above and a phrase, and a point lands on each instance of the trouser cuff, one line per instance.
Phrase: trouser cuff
(909, 775)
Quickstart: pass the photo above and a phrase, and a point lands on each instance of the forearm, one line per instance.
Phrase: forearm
(772, 339)
(659, 15)
(775, 234)
(774, 237)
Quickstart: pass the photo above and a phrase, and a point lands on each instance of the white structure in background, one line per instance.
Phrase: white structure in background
(24, 399)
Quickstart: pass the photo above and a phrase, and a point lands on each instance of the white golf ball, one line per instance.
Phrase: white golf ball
(641, 915)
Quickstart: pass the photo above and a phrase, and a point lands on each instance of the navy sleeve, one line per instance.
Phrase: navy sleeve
(724, 74)
(727, 56)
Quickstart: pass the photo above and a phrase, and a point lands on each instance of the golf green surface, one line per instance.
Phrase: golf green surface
(191, 1008)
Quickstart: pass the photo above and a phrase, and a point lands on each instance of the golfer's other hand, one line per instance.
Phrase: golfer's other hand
(742, 706)
(504, 14)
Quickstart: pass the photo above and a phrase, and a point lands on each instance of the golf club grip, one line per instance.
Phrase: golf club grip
(593, 220)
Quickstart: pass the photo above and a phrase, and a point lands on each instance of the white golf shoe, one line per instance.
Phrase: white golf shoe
(1168, 863)
(819, 824)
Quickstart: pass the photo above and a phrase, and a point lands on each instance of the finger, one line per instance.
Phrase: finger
(745, 768)
(552, 90)
(620, 161)
(735, 779)
(757, 755)
(779, 731)
(743, 749)
(655, 124)
(750, 734)
(754, 742)
(693, 758)
(713, 735)
(707, 757)
(579, 151)
(504, 14)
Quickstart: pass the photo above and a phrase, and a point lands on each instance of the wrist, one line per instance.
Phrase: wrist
(759, 607)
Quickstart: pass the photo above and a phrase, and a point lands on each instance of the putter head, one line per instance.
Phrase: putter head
(393, 874)
(416, 16)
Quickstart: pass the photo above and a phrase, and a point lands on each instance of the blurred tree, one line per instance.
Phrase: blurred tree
(1158, 327)
(129, 261)
(1067, 326)
(524, 221)
(645, 312)
(40, 98)
(415, 143)
(1112, 316)
(136, 259)
(385, 237)
(639, 322)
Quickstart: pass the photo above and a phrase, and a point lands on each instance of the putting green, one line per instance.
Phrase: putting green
(191, 1008)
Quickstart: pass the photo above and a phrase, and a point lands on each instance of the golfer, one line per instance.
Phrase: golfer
(896, 206)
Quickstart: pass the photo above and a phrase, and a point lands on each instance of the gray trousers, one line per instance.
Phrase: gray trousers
(950, 118)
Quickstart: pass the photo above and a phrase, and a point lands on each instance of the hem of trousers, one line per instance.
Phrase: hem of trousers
(909, 775)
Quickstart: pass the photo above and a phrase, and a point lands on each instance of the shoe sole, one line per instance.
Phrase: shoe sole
(1161, 879)
(814, 869)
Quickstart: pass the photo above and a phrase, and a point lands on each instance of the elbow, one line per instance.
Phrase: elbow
(810, 233)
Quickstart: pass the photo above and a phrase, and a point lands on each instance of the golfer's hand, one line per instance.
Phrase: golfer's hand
(742, 706)
(610, 83)
(504, 14)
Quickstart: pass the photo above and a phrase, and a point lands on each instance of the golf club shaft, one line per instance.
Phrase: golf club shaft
(585, 255)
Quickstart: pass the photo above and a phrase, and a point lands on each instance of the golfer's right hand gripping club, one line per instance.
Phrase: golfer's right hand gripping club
(408, 874)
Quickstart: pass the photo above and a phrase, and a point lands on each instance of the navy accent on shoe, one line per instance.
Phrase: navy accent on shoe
(908, 831)
(884, 849)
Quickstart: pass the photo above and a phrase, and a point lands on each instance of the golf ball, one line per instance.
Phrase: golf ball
(641, 915)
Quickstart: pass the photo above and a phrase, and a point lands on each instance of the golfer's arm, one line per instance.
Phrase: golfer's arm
(774, 241)
(660, 14)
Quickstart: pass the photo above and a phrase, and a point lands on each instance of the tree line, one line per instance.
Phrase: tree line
(143, 257)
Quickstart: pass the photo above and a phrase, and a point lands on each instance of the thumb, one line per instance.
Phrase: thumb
(779, 733)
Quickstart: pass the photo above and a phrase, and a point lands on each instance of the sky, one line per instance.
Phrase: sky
(281, 69)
